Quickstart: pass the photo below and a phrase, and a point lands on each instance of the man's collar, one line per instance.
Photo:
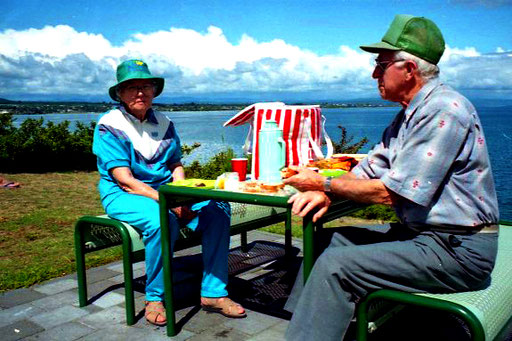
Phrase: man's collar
(420, 97)
(150, 115)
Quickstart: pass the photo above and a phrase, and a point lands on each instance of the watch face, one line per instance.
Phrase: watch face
(327, 184)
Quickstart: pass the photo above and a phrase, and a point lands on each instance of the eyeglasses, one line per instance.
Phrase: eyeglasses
(385, 64)
(134, 90)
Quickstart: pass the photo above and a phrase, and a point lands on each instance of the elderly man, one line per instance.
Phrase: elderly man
(432, 167)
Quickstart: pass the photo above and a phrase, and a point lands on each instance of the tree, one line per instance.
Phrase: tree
(345, 146)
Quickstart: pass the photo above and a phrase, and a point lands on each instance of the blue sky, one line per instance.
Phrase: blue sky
(229, 50)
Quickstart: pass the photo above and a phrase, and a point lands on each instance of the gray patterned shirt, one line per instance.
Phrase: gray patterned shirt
(434, 156)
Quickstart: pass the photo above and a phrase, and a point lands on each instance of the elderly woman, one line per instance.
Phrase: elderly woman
(138, 150)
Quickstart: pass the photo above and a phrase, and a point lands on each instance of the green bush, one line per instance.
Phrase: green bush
(36, 148)
(345, 145)
(377, 212)
(218, 164)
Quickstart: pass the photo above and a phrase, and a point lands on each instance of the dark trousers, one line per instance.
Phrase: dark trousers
(359, 260)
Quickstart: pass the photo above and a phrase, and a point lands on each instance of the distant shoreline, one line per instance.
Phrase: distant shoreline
(41, 108)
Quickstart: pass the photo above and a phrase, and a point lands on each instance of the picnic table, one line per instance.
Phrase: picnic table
(173, 196)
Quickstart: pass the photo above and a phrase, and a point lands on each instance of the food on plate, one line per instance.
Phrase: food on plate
(271, 188)
(251, 187)
(258, 187)
(219, 183)
(287, 172)
(340, 162)
(198, 183)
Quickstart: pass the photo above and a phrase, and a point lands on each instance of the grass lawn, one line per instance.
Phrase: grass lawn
(37, 225)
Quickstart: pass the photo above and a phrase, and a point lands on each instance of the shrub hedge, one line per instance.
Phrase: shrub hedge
(36, 148)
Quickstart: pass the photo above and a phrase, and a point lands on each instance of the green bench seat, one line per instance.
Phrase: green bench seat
(487, 313)
(94, 233)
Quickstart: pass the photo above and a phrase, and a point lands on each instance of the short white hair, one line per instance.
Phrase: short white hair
(426, 70)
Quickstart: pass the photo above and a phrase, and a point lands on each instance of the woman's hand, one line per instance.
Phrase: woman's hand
(304, 202)
(183, 212)
(306, 180)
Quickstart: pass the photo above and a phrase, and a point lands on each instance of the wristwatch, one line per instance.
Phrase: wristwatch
(327, 184)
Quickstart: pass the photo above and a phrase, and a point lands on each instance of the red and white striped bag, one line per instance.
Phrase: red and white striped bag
(303, 129)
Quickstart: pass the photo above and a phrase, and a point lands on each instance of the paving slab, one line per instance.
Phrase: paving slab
(21, 312)
(100, 274)
(68, 331)
(221, 333)
(19, 296)
(59, 316)
(203, 320)
(274, 333)
(105, 318)
(52, 302)
(91, 309)
(133, 333)
(19, 330)
(254, 323)
(56, 286)
(118, 266)
(96, 288)
(119, 278)
(50, 311)
(109, 299)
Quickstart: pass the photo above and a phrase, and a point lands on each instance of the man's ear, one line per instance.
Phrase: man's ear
(411, 67)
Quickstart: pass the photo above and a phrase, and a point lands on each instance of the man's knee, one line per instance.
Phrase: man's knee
(335, 262)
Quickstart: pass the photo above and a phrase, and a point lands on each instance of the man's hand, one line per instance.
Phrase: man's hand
(184, 212)
(306, 180)
(304, 202)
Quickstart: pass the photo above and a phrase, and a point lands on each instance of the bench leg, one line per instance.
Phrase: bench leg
(308, 242)
(129, 296)
(243, 241)
(288, 233)
(80, 265)
(362, 321)
(167, 266)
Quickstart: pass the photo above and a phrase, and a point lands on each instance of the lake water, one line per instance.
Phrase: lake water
(206, 128)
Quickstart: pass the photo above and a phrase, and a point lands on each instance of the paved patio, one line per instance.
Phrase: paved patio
(50, 311)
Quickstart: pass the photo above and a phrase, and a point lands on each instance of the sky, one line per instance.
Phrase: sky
(228, 51)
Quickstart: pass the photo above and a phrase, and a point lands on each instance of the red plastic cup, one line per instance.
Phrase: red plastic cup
(240, 166)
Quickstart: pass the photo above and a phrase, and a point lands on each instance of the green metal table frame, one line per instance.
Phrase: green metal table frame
(173, 196)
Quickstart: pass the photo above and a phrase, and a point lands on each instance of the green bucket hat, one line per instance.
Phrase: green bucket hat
(417, 35)
(134, 69)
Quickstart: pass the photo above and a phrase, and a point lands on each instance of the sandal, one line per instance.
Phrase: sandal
(154, 309)
(224, 306)
(10, 185)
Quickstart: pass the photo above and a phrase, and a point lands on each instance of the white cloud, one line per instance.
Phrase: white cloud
(59, 60)
(56, 41)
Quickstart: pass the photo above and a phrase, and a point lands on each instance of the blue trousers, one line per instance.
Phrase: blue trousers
(358, 261)
(213, 221)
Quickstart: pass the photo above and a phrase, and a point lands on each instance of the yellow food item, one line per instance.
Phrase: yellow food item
(221, 182)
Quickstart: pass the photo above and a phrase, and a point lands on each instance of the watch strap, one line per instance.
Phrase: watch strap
(327, 184)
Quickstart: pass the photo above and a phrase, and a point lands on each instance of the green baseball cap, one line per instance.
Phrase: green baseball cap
(417, 35)
(134, 69)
